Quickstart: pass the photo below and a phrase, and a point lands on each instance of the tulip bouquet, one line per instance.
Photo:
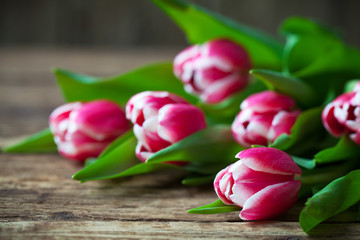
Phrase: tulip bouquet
(296, 134)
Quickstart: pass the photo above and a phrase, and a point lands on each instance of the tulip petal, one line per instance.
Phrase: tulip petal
(269, 160)
(341, 113)
(353, 123)
(259, 125)
(220, 185)
(155, 142)
(78, 138)
(100, 119)
(343, 98)
(232, 52)
(149, 139)
(242, 191)
(177, 121)
(222, 88)
(183, 67)
(268, 101)
(212, 74)
(282, 123)
(153, 100)
(248, 181)
(80, 152)
(252, 128)
(225, 185)
(355, 137)
(356, 99)
(141, 152)
(271, 201)
(140, 136)
(242, 173)
(58, 119)
(331, 123)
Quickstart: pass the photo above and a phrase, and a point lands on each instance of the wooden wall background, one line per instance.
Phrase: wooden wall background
(125, 23)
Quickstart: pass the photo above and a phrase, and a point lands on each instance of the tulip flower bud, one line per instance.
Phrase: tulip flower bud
(342, 116)
(263, 117)
(264, 182)
(161, 119)
(83, 130)
(213, 70)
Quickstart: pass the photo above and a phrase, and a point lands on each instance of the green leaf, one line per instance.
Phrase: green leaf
(330, 63)
(197, 179)
(109, 165)
(328, 50)
(287, 85)
(201, 25)
(143, 168)
(303, 26)
(156, 77)
(118, 141)
(118, 160)
(113, 145)
(305, 35)
(216, 207)
(90, 161)
(281, 141)
(304, 134)
(331, 200)
(211, 167)
(303, 162)
(41, 142)
(345, 148)
(211, 146)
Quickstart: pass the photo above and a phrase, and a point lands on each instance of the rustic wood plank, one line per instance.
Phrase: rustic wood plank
(38, 199)
(29, 181)
(128, 23)
(169, 230)
(97, 61)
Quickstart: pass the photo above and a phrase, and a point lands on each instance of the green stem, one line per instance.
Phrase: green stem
(326, 174)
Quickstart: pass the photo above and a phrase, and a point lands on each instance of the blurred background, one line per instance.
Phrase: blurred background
(129, 23)
(110, 37)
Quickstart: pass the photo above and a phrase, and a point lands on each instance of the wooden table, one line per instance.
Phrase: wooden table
(39, 200)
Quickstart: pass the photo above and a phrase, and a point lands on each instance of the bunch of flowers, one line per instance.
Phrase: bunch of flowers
(297, 134)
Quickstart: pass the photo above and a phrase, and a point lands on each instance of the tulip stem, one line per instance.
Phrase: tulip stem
(326, 174)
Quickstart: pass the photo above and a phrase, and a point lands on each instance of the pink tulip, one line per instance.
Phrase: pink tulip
(264, 182)
(263, 118)
(83, 130)
(342, 116)
(161, 119)
(213, 70)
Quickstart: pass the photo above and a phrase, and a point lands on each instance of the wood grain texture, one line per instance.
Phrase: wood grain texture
(133, 23)
(39, 200)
